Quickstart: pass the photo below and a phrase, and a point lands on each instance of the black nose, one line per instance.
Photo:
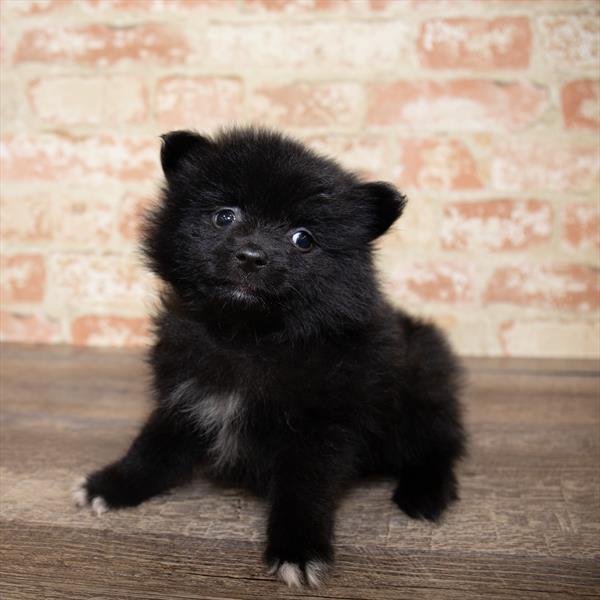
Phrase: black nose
(251, 258)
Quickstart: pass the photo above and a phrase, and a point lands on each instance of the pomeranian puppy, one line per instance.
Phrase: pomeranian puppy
(277, 363)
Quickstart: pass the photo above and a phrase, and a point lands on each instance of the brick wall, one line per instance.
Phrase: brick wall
(485, 112)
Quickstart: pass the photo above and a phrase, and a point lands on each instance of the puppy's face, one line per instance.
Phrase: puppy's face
(254, 220)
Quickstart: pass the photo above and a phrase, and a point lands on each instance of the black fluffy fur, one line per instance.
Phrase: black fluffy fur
(328, 381)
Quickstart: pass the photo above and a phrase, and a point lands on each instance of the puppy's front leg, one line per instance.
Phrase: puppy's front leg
(304, 493)
(163, 455)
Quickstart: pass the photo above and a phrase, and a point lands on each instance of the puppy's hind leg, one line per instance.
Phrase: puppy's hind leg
(428, 439)
(426, 488)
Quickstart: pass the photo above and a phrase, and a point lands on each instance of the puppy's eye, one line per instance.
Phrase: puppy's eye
(224, 217)
(303, 240)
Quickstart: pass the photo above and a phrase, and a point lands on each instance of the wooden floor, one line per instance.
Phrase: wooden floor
(528, 525)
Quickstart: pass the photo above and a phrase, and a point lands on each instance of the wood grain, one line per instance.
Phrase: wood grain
(528, 524)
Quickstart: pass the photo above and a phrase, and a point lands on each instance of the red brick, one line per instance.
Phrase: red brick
(465, 43)
(25, 218)
(158, 6)
(89, 159)
(12, 108)
(306, 46)
(581, 104)
(36, 329)
(462, 7)
(307, 104)
(417, 228)
(83, 220)
(103, 281)
(89, 100)
(496, 225)
(382, 5)
(303, 7)
(436, 164)
(23, 278)
(431, 282)
(34, 7)
(365, 154)
(200, 102)
(581, 226)
(131, 214)
(570, 41)
(102, 45)
(295, 6)
(552, 338)
(66, 217)
(97, 330)
(568, 287)
(553, 165)
(458, 104)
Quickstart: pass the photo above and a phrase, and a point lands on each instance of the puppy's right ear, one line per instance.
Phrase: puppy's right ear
(385, 204)
(179, 145)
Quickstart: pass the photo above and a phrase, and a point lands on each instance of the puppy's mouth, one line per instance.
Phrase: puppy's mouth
(244, 295)
(243, 292)
(254, 290)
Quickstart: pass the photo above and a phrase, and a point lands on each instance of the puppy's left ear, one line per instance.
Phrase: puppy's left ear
(179, 147)
(386, 204)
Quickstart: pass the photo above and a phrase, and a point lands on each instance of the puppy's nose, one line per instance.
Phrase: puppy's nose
(251, 258)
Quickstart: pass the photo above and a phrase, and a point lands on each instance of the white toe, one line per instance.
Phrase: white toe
(99, 506)
(79, 494)
(291, 574)
(315, 572)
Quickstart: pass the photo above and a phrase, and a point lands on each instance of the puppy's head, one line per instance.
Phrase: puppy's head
(254, 220)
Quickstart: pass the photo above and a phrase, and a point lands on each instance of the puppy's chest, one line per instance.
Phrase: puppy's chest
(254, 418)
(220, 418)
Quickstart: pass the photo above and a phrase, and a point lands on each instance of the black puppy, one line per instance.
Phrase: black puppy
(277, 362)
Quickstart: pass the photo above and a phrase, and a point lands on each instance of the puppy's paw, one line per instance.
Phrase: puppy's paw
(426, 499)
(81, 497)
(297, 561)
(296, 575)
(109, 488)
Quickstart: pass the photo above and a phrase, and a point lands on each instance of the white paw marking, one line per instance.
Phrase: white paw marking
(291, 574)
(80, 499)
(79, 495)
(99, 506)
(315, 572)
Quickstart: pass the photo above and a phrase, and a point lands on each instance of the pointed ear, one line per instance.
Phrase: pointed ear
(386, 204)
(178, 145)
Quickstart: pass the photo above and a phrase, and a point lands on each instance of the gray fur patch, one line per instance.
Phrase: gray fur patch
(219, 417)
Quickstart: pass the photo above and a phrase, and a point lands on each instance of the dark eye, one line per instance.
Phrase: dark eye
(224, 217)
(303, 240)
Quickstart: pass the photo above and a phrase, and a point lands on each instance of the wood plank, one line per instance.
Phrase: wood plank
(528, 524)
(551, 495)
(110, 564)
